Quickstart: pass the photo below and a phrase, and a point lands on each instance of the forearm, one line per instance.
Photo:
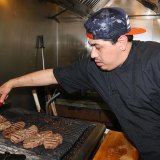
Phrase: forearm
(39, 78)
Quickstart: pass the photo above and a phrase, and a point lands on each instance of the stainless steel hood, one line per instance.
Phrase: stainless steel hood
(134, 8)
(151, 4)
(83, 8)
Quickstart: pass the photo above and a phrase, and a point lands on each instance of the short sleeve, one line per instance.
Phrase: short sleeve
(74, 77)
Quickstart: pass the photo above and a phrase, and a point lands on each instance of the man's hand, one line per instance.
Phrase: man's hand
(4, 91)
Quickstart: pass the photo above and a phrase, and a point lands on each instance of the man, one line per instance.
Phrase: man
(124, 72)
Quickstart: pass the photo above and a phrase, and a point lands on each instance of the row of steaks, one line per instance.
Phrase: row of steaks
(31, 137)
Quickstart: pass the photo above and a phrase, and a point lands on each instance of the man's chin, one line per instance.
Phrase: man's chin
(102, 67)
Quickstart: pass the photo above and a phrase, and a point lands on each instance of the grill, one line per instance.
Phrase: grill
(79, 137)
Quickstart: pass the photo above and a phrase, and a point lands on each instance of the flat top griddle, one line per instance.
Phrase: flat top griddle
(72, 131)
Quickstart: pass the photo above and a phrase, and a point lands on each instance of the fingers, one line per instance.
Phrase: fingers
(4, 90)
(3, 97)
(6, 97)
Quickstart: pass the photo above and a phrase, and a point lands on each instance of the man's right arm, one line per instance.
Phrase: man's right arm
(39, 78)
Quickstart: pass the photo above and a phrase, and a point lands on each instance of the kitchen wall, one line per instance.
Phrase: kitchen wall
(20, 23)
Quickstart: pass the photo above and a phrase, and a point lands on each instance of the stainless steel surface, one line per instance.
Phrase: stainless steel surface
(135, 11)
(86, 7)
(81, 7)
(94, 4)
(21, 22)
(152, 4)
(72, 40)
(132, 7)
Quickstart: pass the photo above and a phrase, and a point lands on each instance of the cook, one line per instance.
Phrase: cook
(125, 73)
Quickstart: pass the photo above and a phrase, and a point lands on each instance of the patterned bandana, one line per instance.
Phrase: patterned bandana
(109, 24)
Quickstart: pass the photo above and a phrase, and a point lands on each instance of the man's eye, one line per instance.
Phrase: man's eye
(98, 48)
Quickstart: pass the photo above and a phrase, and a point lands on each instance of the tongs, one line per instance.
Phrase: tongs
(51, 101)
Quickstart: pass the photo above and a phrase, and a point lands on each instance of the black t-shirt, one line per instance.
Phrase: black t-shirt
(131, 90)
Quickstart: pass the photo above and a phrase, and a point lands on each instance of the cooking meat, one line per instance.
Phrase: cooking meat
(36, 139)
(58, 137)
(13, 128)
(2, 119)
(31, 131)
(33, 141)
(5, 125)
(52, 141)
(19, 136)
(45, 133)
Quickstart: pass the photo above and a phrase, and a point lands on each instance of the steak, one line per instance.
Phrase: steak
(52, 141)
(33, 141)
(19, 136)
(31, 131)
(5, 125)
(36, 139)
(45, 134)
(30, 136)
(2, 119)
(13, 128)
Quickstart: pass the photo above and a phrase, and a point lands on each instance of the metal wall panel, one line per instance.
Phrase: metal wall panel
(20, 23)
(72, 39)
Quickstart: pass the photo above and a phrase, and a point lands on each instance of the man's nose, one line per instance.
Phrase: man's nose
(94, 53)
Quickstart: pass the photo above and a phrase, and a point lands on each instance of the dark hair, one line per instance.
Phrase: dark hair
(130, 39)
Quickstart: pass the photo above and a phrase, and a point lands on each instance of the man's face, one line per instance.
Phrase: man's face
(105, 54)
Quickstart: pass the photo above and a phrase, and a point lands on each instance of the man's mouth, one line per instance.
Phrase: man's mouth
(98, 63)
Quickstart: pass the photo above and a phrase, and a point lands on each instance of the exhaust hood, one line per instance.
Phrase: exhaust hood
(134, 8)
(151, 4)
(81, 7)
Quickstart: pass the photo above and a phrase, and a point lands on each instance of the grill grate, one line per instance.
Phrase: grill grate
(16, 150)
(70, 129)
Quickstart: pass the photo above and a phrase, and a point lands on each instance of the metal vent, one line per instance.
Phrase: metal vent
(89, 3)
(154, 5)
(81, 7)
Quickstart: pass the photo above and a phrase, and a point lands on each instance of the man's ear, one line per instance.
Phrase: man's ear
(122, 42)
